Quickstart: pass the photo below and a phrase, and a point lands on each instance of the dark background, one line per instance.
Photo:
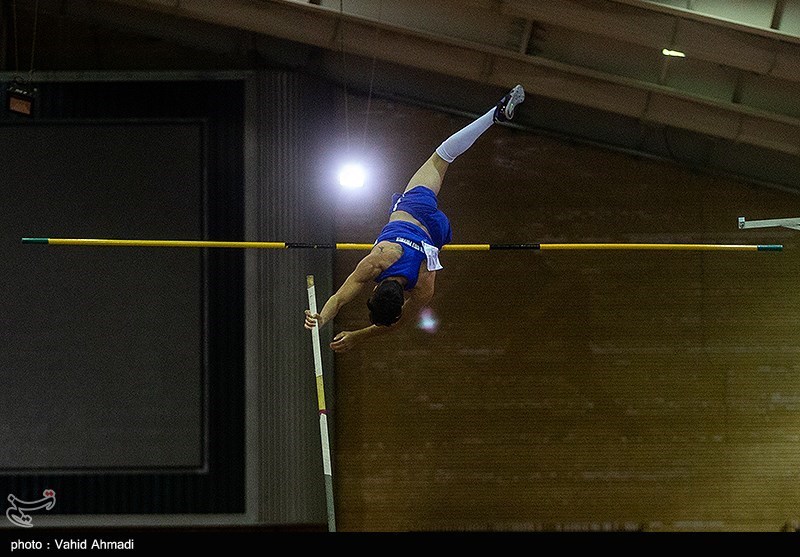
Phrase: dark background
(103, 349)
(125, 361)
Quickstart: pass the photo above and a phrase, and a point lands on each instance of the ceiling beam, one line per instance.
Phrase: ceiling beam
(657, 27)
(329, 29)
(689, 13)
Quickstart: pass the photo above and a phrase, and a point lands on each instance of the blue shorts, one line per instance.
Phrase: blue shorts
(421, 203)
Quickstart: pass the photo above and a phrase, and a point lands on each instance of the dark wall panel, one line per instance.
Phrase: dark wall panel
(101, 347)
(291, 119)
(149, 370)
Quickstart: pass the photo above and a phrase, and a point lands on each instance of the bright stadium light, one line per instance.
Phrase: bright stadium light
(352, 176)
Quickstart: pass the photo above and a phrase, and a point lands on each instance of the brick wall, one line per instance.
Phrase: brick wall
(572, 390)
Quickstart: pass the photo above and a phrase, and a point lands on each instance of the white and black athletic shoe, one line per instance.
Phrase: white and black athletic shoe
(505, 108)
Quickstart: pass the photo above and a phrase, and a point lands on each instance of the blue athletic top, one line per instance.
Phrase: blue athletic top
(410, 237)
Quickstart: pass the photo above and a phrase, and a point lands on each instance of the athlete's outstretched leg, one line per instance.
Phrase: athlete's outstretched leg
(432, 172)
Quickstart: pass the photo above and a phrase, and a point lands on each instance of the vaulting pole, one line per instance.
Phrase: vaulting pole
(345, 246)
(323, 412)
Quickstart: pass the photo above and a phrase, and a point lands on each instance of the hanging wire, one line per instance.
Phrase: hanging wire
(371, 81)
(16, 36)
(344, 75)
(369, 101)
(33, 41)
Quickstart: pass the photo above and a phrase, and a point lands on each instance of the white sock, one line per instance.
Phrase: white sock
(464, 138)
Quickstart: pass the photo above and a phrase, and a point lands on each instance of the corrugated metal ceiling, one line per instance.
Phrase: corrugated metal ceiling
(736, 90)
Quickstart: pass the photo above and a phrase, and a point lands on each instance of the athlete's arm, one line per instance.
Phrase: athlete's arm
(366, 271)
(418, 298)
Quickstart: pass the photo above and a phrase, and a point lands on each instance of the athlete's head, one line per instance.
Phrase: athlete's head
(386, 303)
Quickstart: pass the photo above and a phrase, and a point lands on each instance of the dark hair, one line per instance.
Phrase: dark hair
(386, 303)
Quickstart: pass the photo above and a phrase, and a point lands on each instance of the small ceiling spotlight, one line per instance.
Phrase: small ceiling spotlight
(20, 96)
(675, 53)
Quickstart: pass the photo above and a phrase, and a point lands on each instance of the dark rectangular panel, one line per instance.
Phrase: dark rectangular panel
(100, 349)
